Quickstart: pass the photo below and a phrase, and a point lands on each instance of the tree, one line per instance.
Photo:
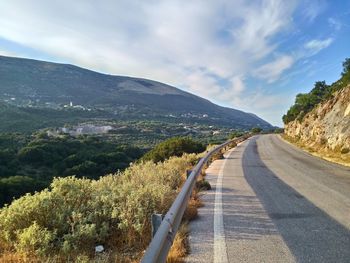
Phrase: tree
(346, 66)
(176, 146)
(31, 155)
(256, 130)
(16, 186)
(320, 91)
(305, 102)
(236, 134)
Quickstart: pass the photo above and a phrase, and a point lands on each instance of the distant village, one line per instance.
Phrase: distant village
(36, 101)
(80, 130)
(105, 128)
(90, 129)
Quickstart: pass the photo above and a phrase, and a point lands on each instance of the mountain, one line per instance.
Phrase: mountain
(38, 84)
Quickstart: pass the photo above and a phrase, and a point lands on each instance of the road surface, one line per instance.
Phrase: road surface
(271, 202)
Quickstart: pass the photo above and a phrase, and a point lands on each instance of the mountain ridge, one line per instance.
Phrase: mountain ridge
(28, 82)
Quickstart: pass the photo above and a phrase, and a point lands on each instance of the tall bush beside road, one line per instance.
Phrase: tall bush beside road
(175, 146)
(74, 215)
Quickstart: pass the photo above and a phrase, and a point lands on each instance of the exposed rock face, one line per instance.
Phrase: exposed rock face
(326, 126)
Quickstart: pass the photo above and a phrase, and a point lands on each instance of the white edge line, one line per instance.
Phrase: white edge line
(220, 252)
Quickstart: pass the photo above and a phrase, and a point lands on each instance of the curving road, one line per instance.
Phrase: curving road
(272, 202)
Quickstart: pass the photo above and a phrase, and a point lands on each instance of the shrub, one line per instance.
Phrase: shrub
(176, 146)
(278, 130)
(203, 185)
(34, 240)
(74, 215)
(218, 155)
(344, 150)
(323, 141)
(236, 134)
(256, 130)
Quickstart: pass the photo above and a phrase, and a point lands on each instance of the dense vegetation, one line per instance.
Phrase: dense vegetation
(28, 120)
(236, 134)
(140, 132)
(29, 163)
(256, 130)
(66, 222)
(304, 103)
(176, 146)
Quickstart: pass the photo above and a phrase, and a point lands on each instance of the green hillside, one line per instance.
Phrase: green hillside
(304, 103)
(26, 82)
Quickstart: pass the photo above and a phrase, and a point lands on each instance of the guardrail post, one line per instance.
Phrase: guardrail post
(156, 220)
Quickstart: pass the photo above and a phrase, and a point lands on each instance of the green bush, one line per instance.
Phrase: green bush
(74, 215)
(278, 130)
(304, 103)
(176, 146)
(34, 240)
(236, 134)
(256, 130)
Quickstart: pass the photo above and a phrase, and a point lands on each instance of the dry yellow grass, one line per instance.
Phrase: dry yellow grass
(15, 257)
(180, 247)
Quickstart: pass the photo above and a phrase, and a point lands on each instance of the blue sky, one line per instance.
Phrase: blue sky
(250, 55)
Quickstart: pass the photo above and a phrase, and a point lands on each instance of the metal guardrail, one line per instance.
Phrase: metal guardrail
(159, 247)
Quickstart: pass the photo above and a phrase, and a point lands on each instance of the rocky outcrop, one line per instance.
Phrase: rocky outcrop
(327, 126)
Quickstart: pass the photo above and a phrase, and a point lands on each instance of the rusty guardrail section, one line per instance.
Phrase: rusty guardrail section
(159, 247)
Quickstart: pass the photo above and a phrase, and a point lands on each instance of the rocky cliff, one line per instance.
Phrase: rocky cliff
(327, 127)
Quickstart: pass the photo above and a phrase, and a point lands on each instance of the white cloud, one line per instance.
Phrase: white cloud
(313, 8)
(127, 38)
(335, 23)
(273, 70)
(317, 45)
(237, 84)
(261, 24)
(196, 45)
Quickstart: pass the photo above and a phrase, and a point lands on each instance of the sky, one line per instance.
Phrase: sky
(250, 55)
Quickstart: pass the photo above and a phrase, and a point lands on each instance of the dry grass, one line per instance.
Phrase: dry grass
(121, 258)
(180, 247)
(15, 257)
(218, 155)
(117, 257)
(191, 211)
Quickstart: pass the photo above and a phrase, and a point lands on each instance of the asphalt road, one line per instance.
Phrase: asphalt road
(271, 202)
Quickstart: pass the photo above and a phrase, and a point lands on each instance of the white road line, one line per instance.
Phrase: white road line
(220, 253)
